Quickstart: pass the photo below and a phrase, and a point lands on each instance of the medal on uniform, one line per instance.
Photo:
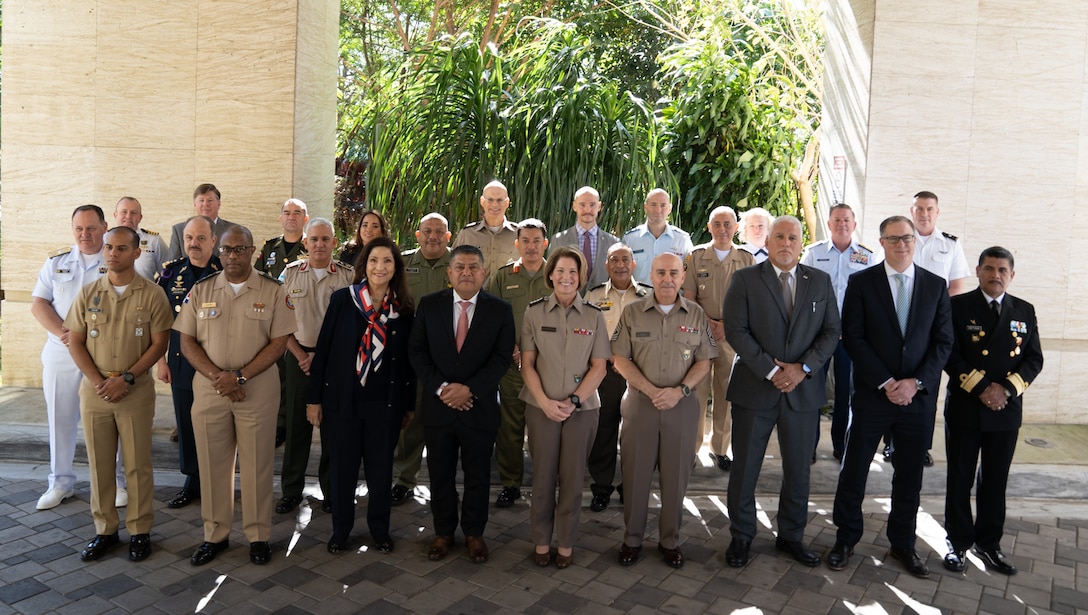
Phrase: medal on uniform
(686, 354)
(271, 260)
(258, 307)
(177, 309)
(577, 378)
(139, 331)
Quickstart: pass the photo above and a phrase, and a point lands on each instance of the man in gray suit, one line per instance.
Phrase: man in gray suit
(206, 202)
(587, 236)
(783, 321)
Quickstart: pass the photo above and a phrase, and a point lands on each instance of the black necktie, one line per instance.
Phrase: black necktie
(995, 307)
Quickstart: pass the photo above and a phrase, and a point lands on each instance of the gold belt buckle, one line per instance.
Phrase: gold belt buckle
(113, 374)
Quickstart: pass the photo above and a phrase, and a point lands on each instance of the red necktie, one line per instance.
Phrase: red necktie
(462, 324)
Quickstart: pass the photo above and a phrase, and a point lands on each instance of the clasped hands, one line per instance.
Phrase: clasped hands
(788, 376)
(226, 385)
(901, 392)
(456, 396)
(994, 397)
(112, 389)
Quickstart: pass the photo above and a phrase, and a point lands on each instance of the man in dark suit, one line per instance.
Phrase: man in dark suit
(206, 202)
(585, 235)
(783, 322)
(460, 346)
(995, 334)
(897, 327)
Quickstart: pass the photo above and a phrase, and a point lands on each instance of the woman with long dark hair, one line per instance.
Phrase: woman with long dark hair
(372, 224)
(362, 388)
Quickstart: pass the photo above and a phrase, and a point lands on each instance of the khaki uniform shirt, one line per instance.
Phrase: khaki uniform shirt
(664, 346)
(274, 256)
(119, 328)
(231, 328)
(565, 339)
(612, 301)
(514, 284)
(309, 297)
(424, 278)
(498, 248)
(708, 278)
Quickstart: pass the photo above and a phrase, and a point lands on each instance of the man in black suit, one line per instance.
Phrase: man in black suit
(783, 321)
(461, 345)
(995, 334)
(897, 327)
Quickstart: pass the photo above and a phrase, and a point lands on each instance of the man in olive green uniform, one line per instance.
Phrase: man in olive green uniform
(663, 348)
(309, 284)
(519, 283)
(425, 272)
(494, 235)
(234, 326)
(612, 296)
(118, 328)
(275, 255)
(710, 268)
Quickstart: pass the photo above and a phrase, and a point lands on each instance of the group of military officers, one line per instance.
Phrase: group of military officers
(746, 332)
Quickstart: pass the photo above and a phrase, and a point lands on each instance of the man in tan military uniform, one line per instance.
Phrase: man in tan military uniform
(494, 235)
(233, 327)
(663, 348)
(710, 268)
(620, 290)
(118, 328)
(519, 283)
(309, 284)
(425, 273)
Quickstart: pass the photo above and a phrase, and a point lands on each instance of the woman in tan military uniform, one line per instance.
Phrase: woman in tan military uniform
(564, 346)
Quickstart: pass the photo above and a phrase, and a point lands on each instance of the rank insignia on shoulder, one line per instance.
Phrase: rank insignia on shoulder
(60, 252)
(950, 236)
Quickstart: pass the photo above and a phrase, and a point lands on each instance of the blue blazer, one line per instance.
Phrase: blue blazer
(481, 363)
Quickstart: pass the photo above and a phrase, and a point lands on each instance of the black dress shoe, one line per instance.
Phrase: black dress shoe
(724, 463)
(326, 506)
(839, 556)
(911, 561)
(207, 551)
(599, 503)
(281, 436)
(798, 551)
(737, 553)
(995, 560)
(98, 547)
(260, 553)
(384, 543)
(956, 561)
(287, 504)
(629, 555)
(139, 547)
(673, 557)
(337, 544)
(927, 461)
(400, 494)
(507, 497)
(183, 498)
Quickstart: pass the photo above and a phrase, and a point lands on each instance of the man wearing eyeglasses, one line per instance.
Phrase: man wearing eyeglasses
(233, 326)
(177, 279)
(494, 235)
(897, 327)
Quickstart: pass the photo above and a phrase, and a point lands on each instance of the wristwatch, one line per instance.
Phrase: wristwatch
(577, 402)
(921, 385)
(129, 378)
(239, 377)
(685, 389)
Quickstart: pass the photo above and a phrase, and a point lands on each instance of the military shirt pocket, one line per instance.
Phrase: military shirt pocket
(689, 338)
(645, 337)
(261, 314)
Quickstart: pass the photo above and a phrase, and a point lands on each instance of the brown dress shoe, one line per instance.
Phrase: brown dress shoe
(564, 561)
(629, 555)
(440, 548)
(477, 548)
(542, 559)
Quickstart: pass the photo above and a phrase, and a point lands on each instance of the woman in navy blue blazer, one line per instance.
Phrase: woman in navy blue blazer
(362, 388)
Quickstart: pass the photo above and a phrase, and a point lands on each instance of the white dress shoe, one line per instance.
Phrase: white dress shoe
(53, 498)
(121, 500)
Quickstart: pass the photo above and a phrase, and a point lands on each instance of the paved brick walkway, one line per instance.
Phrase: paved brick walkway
(40, 569)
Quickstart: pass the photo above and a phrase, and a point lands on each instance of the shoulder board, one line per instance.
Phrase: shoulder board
(143, 230)
(644, 285)
(601, 285)
(60, 252)
(268, 277)
(509, 265)
(630, 231)
(865, 247)
(210, 276)
(589, 305)
(472, 224)
(273, 240)
(343, 265)
(703, 247)
(952, 237)
(173, 262)
(409, 252)
(511, 226)
(295, 264)
(537, 300)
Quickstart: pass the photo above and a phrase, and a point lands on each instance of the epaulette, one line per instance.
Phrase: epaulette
(630, 231)
(591, 305)
(273, 240)
(513, 227)
(210, 276)
(264, 274)
(472, 224)
(865, 247)
(952, 237)
(601, 285)
(510, 265)
(296, 263)
(60, 252)
(143, 230)
(408, 253)
(645, 288)
(537, 300)
(341, 264)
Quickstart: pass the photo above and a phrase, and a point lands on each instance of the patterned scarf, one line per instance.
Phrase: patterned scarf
(377, 329)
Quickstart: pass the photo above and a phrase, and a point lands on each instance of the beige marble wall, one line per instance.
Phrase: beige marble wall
(104, 98)
(986, 104)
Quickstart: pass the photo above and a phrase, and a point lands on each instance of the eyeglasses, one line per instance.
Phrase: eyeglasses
(899, 239)
(237, 250)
